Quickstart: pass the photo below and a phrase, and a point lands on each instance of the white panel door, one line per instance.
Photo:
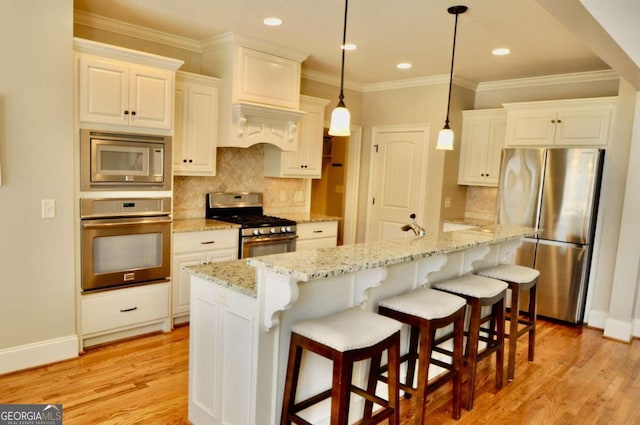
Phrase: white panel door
(398, 173)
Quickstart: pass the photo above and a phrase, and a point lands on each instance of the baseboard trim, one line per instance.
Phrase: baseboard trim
(618, 330)
(38, 353)
(636, 328)
(597, 319)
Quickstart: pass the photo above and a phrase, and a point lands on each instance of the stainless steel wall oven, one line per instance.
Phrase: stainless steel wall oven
(125, 241)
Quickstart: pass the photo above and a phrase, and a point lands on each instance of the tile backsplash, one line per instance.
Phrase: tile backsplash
(239, 170)
(481, 203)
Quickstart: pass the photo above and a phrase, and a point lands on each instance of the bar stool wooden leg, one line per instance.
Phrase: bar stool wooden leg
(514, 316)
(533, 313)
(291, 383)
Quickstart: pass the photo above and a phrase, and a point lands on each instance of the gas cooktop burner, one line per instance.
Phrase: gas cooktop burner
(242, 208)
(248, 221)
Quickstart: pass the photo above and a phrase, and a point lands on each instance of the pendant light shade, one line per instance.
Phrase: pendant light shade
(445, 137)
(340, 117)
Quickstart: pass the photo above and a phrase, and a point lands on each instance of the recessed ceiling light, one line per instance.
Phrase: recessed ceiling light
(404, 65)
(272, 22)
(501, 51)
(349, 46)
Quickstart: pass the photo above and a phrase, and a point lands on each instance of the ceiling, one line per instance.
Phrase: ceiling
(386, 33)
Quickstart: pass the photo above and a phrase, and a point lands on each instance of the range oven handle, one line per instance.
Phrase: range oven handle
(270, 239)
(113, 222)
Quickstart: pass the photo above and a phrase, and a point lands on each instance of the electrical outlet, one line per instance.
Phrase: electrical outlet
(447, 202)
(48, 208)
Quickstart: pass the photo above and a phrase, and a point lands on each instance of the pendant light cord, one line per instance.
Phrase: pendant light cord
(453, 55)
(344, 42)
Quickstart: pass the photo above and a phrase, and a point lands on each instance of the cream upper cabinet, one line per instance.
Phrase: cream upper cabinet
(483, 137)
(196, 125)
(306, 162)
(266, 79)
(260, 93)
(574, 122)
(121, 87)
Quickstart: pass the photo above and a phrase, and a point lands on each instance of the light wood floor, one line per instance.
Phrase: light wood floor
(578, 378)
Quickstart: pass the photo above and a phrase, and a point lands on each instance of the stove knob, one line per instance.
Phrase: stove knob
(256, 232)
(263, 231)
(289, 229)
(283, 229)
(272, 230)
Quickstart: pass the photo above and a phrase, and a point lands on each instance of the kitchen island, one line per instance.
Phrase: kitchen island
(240, 327)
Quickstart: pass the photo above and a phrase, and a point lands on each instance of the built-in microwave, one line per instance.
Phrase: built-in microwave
(124, 161)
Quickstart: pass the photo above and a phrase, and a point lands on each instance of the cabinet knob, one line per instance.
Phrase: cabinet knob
(126, 112)
(190, 161)
(184, 160)
(559, 121)
(133, 112)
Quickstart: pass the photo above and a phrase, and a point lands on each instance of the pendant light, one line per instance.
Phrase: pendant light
(445, 137)
(340, 117)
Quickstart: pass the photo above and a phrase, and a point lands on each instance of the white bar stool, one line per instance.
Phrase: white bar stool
(519, 279)
(345, 338)
(480, 291)
(425, 311)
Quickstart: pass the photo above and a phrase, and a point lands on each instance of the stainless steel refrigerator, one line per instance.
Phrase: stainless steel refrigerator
(555, 191)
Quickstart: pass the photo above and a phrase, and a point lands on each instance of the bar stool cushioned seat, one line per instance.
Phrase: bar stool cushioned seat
(345, 337)
(426, 310)
(480, 291)
(519, 279)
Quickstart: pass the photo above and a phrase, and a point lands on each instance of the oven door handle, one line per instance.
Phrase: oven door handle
(270, 239)
(104, 223)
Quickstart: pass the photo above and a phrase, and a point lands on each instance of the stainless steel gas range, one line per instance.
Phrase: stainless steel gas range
(259, 234)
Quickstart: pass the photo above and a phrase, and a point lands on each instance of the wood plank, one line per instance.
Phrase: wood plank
(578, 377)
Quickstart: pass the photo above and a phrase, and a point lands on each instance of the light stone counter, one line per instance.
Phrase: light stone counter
(309, 217)
(236, 275)
(331, 262)
(200, 224)
(239, 337)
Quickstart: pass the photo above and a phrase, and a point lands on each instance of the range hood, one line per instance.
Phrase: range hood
(255, 123)
(260, 93)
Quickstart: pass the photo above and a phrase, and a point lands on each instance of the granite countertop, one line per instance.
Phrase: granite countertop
(309, 217)
(329, 262)
(200, 224)
(236, 275)
(470, 221)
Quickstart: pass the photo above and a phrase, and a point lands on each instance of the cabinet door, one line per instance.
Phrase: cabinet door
(531, 128)
(483, 137)
(307, 160)
(195, 130)
(104, 91)
(497, 134)
(474, 146)
(181, 279)
(151, 97)
(267, 79)
(583, 127)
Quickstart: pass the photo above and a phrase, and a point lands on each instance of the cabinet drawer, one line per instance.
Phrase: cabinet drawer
(126, 307)
(321, 229)
(205, 241)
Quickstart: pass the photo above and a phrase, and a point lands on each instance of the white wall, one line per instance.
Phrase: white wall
(37, 304)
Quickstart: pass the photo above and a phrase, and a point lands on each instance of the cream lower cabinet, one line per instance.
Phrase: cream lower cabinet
(122, 313)
(223, 357)
(197, 248)
(562, 123)
(196, 125)
(306, 162)
(322, 234)
(483, 137)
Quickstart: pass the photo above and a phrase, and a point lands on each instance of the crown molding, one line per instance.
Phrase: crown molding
(332, 80)
(254, 43)
(547, 80)
(119, 27)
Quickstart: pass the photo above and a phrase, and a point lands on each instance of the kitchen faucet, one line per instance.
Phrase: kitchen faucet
(417, 229)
